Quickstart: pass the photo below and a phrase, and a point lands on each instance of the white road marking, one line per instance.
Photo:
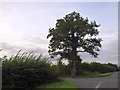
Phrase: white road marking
(98, 85)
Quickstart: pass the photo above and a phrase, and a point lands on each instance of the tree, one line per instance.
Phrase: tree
(74, 34)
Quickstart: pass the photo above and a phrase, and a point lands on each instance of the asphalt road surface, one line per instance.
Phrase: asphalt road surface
(98, 82)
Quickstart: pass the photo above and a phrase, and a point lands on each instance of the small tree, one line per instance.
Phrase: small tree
(71, 35)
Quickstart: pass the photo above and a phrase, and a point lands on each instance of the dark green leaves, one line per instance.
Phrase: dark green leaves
(73, 33)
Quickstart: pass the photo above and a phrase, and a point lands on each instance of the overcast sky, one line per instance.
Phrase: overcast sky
(25, 25)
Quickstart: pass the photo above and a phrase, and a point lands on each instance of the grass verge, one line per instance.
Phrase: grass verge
(104, 74)
(60, 84)
(90, 75)
(96, 74)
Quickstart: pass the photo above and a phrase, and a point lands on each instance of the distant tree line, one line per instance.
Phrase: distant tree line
(87, 67)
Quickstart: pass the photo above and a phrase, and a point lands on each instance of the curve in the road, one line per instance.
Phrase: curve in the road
(98, 82)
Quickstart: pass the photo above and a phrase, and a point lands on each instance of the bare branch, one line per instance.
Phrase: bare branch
(80, 51)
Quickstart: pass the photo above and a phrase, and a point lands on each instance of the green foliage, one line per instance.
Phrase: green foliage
(26, 71)
(84, 68)
(61, 84)
(61, 67)
(96, 67)
(102, 67)
(71, 35)
(74, 32)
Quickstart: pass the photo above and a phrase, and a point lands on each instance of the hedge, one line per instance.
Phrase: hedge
(26, 71)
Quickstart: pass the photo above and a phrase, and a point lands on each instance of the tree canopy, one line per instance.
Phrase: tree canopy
(73, 34)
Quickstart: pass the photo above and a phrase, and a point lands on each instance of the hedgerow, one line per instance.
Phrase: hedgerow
(26, 70)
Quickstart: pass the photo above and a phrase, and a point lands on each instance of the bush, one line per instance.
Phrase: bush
(84, 68)
(26, 71)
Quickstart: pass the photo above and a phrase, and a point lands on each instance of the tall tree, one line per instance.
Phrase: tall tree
(74, 34)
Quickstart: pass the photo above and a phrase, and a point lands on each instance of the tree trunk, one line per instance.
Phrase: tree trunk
(73, 72)
(75, 65)
(78, 67)
(74, 54)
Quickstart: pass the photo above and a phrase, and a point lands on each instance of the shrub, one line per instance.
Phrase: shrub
(84, 68)
(26, 71)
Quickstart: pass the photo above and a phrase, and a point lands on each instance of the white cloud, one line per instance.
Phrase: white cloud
(109, 50)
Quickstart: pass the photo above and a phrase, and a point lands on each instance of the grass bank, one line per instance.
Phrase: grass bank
(60, 84)
(91, 74)
(95, 74)
(104, 74)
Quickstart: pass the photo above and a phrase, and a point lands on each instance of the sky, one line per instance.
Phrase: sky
(24, 26)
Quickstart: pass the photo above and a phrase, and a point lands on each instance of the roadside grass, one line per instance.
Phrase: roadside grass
(60, 84)
(96, 74)
(90, 75)
(104, 74)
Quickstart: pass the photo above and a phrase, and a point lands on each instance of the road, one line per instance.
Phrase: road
(98, 82)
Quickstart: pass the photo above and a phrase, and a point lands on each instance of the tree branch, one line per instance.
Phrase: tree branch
(80, 51)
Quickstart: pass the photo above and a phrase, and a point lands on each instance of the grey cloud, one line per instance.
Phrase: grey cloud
(36, 40)
(36, 50)
(109, 50)
(9, 49)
